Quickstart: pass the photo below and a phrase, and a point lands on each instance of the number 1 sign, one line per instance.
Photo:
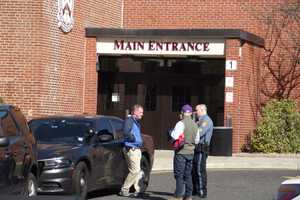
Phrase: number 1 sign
(231, 64)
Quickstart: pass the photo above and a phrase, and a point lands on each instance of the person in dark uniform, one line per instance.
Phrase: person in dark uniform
(205, 126)
(183, 157)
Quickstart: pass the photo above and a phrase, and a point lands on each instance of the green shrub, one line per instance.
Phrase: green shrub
(279, 128)
(1, 100)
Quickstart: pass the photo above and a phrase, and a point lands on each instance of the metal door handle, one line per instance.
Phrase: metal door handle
(7, 153)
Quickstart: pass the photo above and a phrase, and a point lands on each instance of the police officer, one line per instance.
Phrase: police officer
(205, 125)
(183, 157)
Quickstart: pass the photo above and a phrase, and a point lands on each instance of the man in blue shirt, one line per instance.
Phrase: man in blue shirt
(205, 126)
(133, 142)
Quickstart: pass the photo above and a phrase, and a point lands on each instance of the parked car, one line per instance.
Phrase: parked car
(18, 155)
(289, 189)
(78, 154)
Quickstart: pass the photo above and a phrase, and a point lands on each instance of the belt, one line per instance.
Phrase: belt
(131, 148)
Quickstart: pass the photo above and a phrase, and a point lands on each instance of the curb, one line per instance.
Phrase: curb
(163, 161)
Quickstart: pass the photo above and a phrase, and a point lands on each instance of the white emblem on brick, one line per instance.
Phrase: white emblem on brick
(65, 15)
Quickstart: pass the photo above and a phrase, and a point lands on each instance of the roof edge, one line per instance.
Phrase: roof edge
(186, 33)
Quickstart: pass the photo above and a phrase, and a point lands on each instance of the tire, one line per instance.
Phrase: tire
(80, 179)
(31, 186)
(145, 167)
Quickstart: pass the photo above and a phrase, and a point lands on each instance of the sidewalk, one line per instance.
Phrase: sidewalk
(163, 161)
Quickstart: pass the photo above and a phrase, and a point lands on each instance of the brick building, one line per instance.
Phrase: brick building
(158, 53)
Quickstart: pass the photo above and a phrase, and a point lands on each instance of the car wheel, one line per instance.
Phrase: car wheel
(80, 180)
(145, 167)
(30, 186)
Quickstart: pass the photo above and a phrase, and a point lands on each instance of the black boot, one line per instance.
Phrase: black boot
(203, 194)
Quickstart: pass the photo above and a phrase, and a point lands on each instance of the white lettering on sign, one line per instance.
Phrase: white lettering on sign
(160, 47)
(231, 64)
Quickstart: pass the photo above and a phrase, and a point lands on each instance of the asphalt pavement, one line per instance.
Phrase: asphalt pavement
(222, 185)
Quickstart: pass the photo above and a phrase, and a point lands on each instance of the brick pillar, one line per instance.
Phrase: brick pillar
(232, 109)
(243, 109)
(90, 78)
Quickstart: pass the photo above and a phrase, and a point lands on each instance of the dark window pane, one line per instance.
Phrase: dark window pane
(118, 126)
(180, 95)
(60, 131)
(103, 124)
(150, 98)
(21, 120)
(8, 125)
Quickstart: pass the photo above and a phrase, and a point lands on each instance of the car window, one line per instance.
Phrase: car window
(60, 131)
(22, 121)
(118, 126)
(103, 124)
(8, 125)
(1, 130)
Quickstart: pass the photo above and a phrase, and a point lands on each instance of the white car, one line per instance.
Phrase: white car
(289, 189)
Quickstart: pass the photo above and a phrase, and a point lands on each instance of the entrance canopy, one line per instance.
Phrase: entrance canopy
(206, 42)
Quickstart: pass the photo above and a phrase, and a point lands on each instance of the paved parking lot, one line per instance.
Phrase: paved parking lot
(223, 184)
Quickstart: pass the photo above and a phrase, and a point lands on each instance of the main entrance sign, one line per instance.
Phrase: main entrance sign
(160, 47)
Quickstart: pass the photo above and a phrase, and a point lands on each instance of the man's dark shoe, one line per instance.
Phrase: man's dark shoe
(137, 195)
(203, 194)
(124, 194)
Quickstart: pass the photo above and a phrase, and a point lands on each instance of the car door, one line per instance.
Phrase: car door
(109, 155)
(121, 170)
(26, 140)
(4, 160)
(14, 154)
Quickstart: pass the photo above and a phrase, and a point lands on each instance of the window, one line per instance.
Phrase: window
(63, 131)
(103, 124)
(1, 131)
(118, 126)
(21, 119)
(8, 125)
(180, 95)
(150, 98)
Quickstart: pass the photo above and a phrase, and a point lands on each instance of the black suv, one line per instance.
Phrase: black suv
(78, 154)
(18, 160)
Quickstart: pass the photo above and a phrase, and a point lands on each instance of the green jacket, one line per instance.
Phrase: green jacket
(190, 132)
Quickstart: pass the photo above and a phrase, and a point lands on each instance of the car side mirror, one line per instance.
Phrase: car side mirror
(89, 133)
(4, 141)
(105, 136)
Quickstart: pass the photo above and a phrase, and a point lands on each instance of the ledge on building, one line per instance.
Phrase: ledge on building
(242, 35)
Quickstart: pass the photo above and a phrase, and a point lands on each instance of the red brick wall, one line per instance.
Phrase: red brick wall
(43, 70)
(20, 53)
(215, 14)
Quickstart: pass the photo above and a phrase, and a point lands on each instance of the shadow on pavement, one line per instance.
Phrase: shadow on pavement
(155, 195)
(149, 195)
(102, 193)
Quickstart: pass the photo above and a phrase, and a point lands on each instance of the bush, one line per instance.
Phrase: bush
(279, 129)
(1, 100)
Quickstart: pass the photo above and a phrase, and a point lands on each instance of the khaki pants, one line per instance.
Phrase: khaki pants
(133, 158)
